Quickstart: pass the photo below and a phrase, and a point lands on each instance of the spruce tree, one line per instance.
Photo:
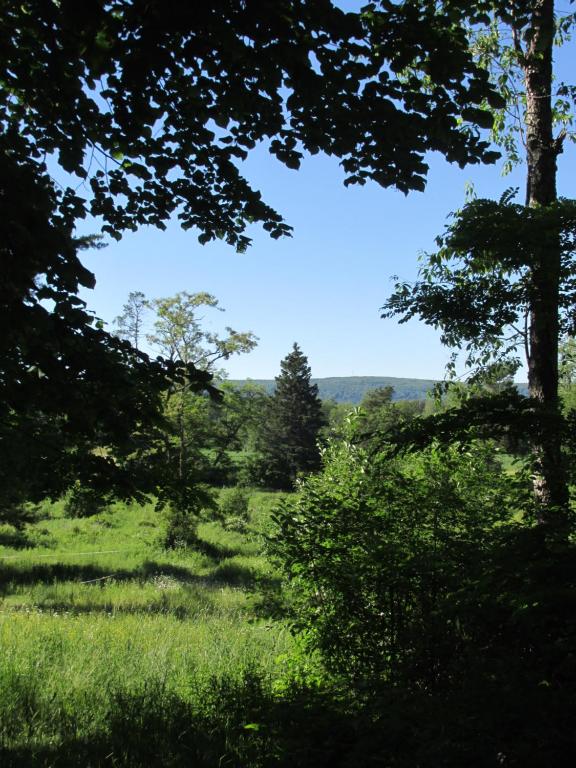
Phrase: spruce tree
(288, 440)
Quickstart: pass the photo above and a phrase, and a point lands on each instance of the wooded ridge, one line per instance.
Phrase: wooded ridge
(351, 389)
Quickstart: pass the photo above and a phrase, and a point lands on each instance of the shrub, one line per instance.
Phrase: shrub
(375, 548)
(183, 509)
(234, 508)
(180, 528)
(82, 501)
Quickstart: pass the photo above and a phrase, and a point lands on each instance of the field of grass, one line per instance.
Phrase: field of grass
(115, 651)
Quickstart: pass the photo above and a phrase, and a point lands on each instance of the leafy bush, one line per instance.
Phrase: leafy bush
(251, 470)
(234, 508)
(180, 528)
(82, 501)
(183, 510)
(375, 548)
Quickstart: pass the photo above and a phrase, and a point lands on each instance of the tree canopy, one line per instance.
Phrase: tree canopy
(502, 278)
(152, 104)
(134, 112)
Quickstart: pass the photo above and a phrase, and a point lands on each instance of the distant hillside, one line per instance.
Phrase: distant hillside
(351, 389)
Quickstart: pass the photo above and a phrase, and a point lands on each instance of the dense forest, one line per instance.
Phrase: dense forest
(195, 571)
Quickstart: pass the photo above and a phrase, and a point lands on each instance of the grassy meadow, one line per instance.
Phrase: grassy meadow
(115, 651)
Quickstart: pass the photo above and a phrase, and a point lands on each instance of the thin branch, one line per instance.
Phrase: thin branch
(526, 337)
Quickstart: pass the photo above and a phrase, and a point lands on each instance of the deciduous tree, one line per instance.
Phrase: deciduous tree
(503, 277)
(178, 334)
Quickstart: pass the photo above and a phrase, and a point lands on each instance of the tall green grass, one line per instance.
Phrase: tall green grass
(115, 651)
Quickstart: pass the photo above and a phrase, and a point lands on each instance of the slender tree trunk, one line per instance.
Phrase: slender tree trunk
(550, 486)
(182, 440)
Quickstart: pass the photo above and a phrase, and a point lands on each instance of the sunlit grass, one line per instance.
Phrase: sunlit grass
(59, 651)
(94, 612)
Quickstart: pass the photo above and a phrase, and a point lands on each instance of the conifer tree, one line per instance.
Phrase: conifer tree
(288, 440)
(129, 325)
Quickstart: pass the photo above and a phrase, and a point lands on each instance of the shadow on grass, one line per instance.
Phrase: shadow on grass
(241, 725)
(151, 569)
(160, 607)
(237, 725)
(215, 551)
(14, 575)
(14, 538)
(223, 575)
(234, 575)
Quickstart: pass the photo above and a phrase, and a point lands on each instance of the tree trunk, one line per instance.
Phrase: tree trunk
(550, 486)
(182, 457)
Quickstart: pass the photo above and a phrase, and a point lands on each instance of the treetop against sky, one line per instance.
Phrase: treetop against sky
(323, 286)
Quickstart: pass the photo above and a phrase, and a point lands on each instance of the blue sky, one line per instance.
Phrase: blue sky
(324, 286)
